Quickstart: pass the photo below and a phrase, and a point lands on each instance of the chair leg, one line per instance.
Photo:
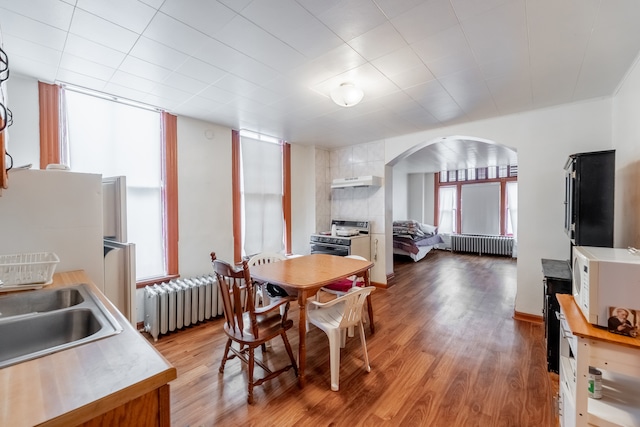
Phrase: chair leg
(334, 357)
(225, 356)
(289, 352)
(250, 374)
(364, 348)
(370, 311)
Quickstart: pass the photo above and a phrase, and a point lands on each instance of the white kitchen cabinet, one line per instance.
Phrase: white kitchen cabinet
(618, 357)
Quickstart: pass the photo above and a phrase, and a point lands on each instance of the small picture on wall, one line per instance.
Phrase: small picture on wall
(624, 321)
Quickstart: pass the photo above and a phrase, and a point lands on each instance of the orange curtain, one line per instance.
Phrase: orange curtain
(3, 167)
(235, 185)
(286, 197)
(49, 124)
(170, 144)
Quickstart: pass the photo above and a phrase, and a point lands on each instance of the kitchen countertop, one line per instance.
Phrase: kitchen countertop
(76, 385)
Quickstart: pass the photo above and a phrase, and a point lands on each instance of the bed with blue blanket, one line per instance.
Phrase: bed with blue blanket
(414, 239)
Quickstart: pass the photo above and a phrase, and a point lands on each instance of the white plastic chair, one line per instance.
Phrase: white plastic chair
(342, 286)
(262, 298)
(334, 317)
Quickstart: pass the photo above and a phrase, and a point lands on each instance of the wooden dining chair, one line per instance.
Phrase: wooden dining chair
(334, 318)
(248, 326)
(342, 286)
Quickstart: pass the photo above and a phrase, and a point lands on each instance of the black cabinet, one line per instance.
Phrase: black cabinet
(557, 280)
(589, 194)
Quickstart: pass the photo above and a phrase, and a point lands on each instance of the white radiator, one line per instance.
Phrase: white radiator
(179, 303)
(493, 245)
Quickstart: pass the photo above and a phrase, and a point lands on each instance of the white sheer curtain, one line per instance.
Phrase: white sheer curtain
(111, 138)
(447, 210)
(262, 216)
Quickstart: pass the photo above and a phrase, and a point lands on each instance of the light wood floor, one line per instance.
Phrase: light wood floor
(446, 352)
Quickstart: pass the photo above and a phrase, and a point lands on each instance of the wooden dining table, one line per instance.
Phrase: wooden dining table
(304, 276)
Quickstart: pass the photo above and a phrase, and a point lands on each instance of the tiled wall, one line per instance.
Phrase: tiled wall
(323, 191)
(350, 203)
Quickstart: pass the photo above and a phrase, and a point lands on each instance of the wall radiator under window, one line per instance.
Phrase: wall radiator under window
(493, 245)
(180, 303)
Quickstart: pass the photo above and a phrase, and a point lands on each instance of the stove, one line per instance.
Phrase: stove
(348, 238)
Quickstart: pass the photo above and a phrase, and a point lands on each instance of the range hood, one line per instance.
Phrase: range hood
(357, 181)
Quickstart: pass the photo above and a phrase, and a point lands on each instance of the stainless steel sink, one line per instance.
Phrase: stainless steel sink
(37, 323)
(37, 302)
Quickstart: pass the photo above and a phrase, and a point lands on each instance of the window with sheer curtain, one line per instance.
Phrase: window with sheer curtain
(447, 210)
(262, 193)
(113, 138)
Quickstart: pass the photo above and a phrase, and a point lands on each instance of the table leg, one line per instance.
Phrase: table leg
(367, 280)
(302, 331)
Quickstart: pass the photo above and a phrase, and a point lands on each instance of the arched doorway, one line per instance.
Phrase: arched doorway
(415, 171)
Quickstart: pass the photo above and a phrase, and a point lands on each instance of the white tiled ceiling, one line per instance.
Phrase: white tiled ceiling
(268, 65)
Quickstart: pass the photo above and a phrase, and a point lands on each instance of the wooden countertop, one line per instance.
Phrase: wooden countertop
(78, 384)
(580, 327)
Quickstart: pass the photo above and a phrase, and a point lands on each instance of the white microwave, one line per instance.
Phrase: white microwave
(605, 278)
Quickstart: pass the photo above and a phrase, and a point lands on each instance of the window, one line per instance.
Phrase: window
(492, 172)
(471, 174)
(478, 200)
(262, 193)
(114, 138)
(447, 208)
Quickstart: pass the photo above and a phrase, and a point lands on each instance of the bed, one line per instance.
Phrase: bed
(413, 239)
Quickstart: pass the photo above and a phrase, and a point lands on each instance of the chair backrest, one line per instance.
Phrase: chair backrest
(358, 277)
(237, 294)
(265, 258)
(352, 307)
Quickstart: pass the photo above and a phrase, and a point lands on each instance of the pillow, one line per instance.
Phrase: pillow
(410, 228)
(428, 229)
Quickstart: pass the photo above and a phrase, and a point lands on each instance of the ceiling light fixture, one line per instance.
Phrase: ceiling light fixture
(347, 95)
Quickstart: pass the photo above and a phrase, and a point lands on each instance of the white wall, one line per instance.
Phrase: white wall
(428, 208)
(413, 195)
(205, 210)
(626, 141)
(415, 198)
(303, 197)
(420, 199)
(400, 194)
(322, 190)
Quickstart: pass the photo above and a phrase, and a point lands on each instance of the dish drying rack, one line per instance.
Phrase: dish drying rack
(27, 270)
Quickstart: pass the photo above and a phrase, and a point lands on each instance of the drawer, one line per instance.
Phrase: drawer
(566, 409)
(568, 374)
(565, 333)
